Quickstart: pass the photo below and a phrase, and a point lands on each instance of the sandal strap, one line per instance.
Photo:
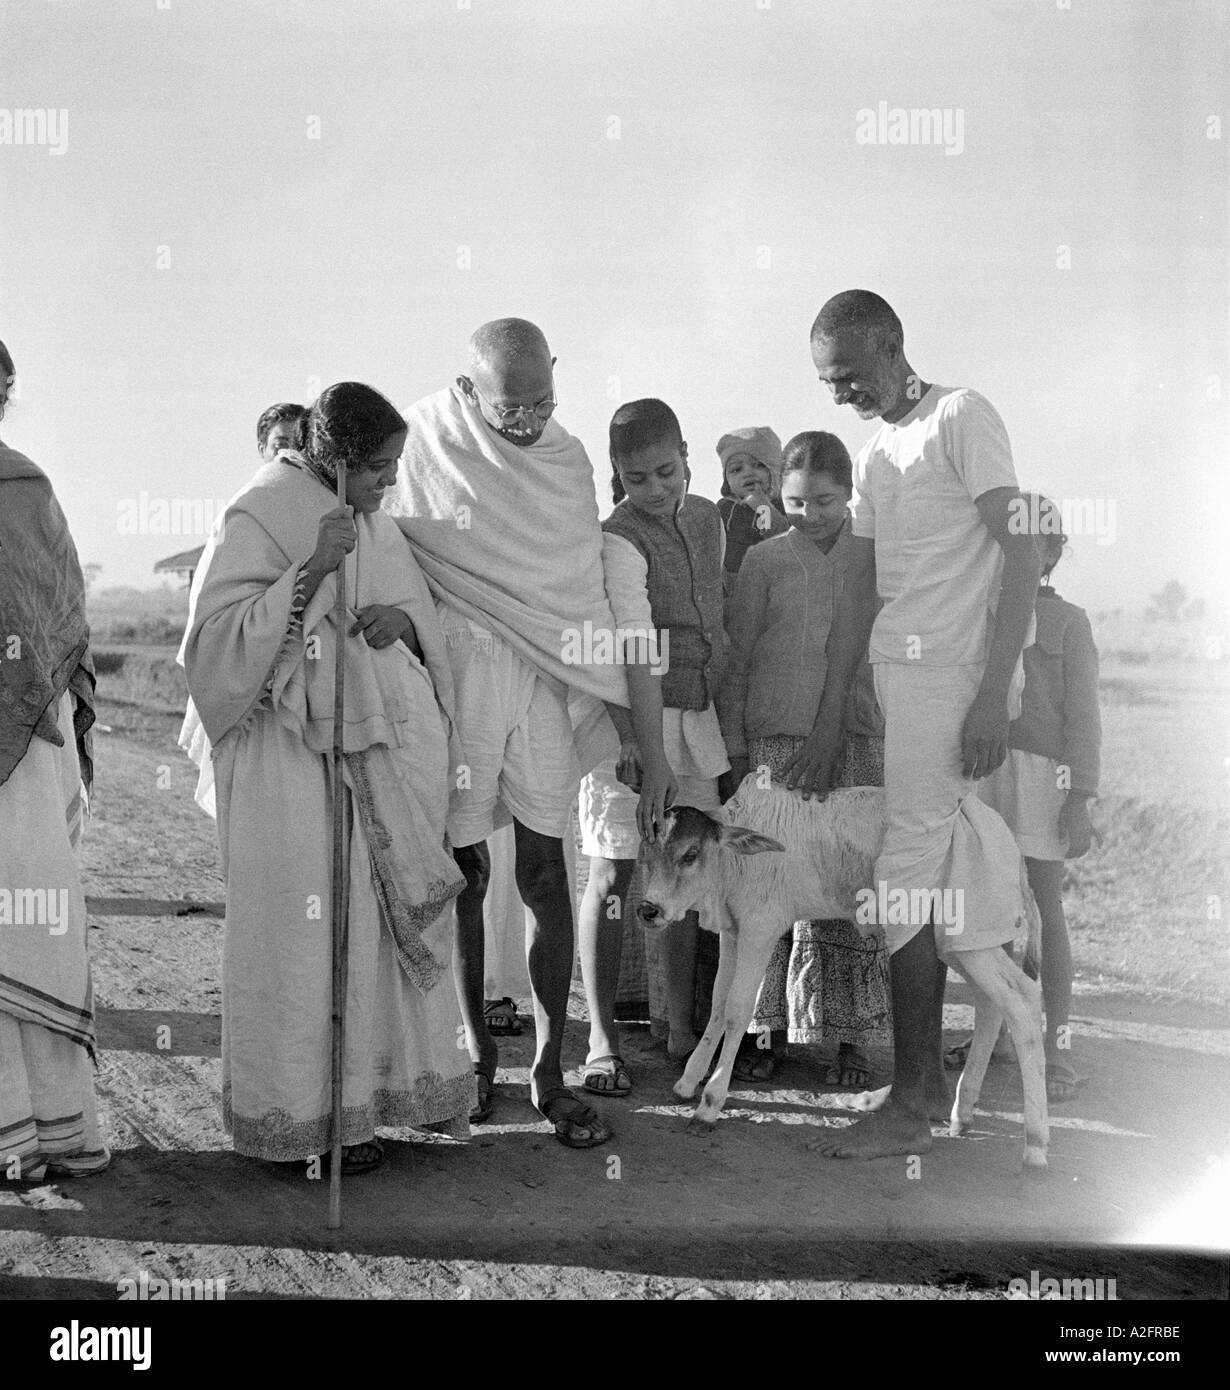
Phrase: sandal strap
(563, 1093)
(616, 1063)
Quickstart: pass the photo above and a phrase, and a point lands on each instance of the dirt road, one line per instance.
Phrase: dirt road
(748, 1212)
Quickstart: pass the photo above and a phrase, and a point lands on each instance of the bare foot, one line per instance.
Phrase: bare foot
(881, 1135)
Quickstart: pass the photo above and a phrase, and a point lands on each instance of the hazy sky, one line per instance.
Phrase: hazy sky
(670, 188)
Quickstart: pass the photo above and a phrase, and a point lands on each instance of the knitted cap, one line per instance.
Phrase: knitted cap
(759, 441)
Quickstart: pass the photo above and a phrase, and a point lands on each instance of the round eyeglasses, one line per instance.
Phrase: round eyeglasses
(543, 410)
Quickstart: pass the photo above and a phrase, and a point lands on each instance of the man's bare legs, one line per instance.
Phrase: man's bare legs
(543, 883)
(600, 928)
(939, 1098)
(474, 861)
(902, 1126)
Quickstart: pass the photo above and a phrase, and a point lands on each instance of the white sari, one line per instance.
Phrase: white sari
(47, 1105)
(260, 672)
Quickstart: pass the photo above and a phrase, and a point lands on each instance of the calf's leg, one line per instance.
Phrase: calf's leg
(756, 942)
(698, 1062)
(987, 1020)
(1019, 998)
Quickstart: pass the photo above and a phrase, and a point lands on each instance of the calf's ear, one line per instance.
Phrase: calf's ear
(744, 841)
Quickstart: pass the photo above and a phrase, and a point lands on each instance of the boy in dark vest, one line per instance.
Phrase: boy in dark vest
(662, 554)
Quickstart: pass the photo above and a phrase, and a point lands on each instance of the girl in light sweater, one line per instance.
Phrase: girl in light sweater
(830, 984)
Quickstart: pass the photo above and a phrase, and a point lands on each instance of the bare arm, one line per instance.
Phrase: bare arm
(642, 758)
(1082, 735)
(745, 621)
(814, 769)
(984, 737)
(622, 719)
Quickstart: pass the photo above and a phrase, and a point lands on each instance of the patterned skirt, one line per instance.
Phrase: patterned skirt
(825, 982)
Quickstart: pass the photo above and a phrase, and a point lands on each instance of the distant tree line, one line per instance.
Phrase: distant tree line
(1172, 604)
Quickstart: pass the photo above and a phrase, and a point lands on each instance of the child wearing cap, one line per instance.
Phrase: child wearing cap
(751, 500)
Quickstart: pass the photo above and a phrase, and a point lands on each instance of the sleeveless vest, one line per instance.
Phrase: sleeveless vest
(684, 581)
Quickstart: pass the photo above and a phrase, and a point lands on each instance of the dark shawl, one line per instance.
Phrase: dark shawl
(44, 636)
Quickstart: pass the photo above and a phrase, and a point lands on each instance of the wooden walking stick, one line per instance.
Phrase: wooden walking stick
(340, 896)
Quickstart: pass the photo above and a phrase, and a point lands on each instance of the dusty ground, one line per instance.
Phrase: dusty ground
(1138, 1161)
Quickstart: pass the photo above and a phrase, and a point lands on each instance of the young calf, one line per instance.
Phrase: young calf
(776, 859)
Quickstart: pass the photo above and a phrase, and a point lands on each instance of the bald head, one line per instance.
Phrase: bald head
(857, 348)
(504, 340)
(511, 366)
(859, 311)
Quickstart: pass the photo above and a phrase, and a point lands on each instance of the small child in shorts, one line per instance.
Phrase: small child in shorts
(662, 554)
(1044, 788)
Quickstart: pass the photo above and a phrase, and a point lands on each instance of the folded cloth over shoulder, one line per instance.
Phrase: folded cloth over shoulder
(42, 608)
(253, 644)
(239, 649)
(509, 536)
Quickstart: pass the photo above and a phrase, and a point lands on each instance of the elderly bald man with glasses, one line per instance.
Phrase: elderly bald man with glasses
(498, 501)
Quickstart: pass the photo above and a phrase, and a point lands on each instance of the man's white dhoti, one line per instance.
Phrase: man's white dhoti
(948, 858)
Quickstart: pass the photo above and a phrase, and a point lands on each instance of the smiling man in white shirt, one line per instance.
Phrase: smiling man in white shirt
(936, 487)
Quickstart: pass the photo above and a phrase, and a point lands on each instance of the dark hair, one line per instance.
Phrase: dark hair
(348, 423)
(639, 425)
(275, 415)
(860, 309)
(1052, 531)
(815, 451)
(7, 370)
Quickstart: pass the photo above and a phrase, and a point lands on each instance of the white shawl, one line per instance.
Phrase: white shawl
(509, 536)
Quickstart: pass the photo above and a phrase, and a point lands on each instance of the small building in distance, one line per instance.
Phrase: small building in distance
(184, 563)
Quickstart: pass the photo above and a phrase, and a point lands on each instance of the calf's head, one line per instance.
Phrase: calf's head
(683, 865)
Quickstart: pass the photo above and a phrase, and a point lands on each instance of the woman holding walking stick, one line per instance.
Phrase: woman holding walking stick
(261, 655)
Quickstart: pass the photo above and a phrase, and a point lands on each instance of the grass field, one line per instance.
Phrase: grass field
(1148, 905)
(1148, 908)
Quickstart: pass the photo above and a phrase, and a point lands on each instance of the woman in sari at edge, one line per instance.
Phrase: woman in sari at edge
(259, 657)
(48, 1118)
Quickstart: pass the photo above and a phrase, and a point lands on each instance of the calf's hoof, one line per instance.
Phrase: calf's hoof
(697, 1125)
(684, 1088)
(1035, 1157)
